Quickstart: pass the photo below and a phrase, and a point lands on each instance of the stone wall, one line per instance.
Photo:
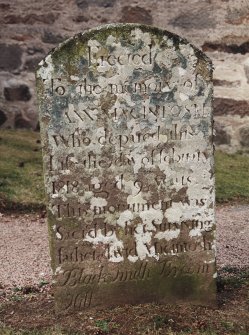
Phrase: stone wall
(30, 29)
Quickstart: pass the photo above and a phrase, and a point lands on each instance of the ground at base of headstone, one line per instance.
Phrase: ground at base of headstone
(31, 312)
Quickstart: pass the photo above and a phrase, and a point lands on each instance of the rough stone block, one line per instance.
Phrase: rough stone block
(22, 121)
(10, 57)
(50, 37)
(221, 136)
(225, 106)
(18, 92)
(83, 4)
(136, 14)
(31, 63)
(30, 19)
(194, 19)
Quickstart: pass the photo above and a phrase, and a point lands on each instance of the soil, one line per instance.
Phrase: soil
(26, 294)
(36, 311)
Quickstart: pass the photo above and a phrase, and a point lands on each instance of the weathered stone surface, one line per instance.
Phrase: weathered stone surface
(244, 136)
(17, 93)
(136, 15)
(3, 117)
(126, 126)
(10, 57)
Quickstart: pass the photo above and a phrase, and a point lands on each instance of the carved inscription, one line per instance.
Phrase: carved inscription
(126, 124)
(80, 277)
(78, 301)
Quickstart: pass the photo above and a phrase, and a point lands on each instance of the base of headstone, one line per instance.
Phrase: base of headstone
(168, 281)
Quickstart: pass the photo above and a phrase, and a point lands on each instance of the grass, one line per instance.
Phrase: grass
(21, 181)
(232, 177)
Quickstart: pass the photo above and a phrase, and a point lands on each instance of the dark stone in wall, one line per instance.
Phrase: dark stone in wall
(22, 122)
(17, 93)
(10, 57)
(80, 18)
(83, 4)
(224, 106)
(103, 3)
(244, 136)
(218, 82)
(3, 117)
(37, 128)
(22, 37)
(242, 48)
(221, 136)
(195, 19)
(136, 15)
(4, 6)
(32, 18)
(32, 63)
(49, 37)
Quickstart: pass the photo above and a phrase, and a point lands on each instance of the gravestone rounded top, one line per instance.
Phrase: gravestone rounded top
(126, 125)
(127, 36)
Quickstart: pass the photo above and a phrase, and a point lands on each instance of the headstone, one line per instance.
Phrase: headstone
(126, 125)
